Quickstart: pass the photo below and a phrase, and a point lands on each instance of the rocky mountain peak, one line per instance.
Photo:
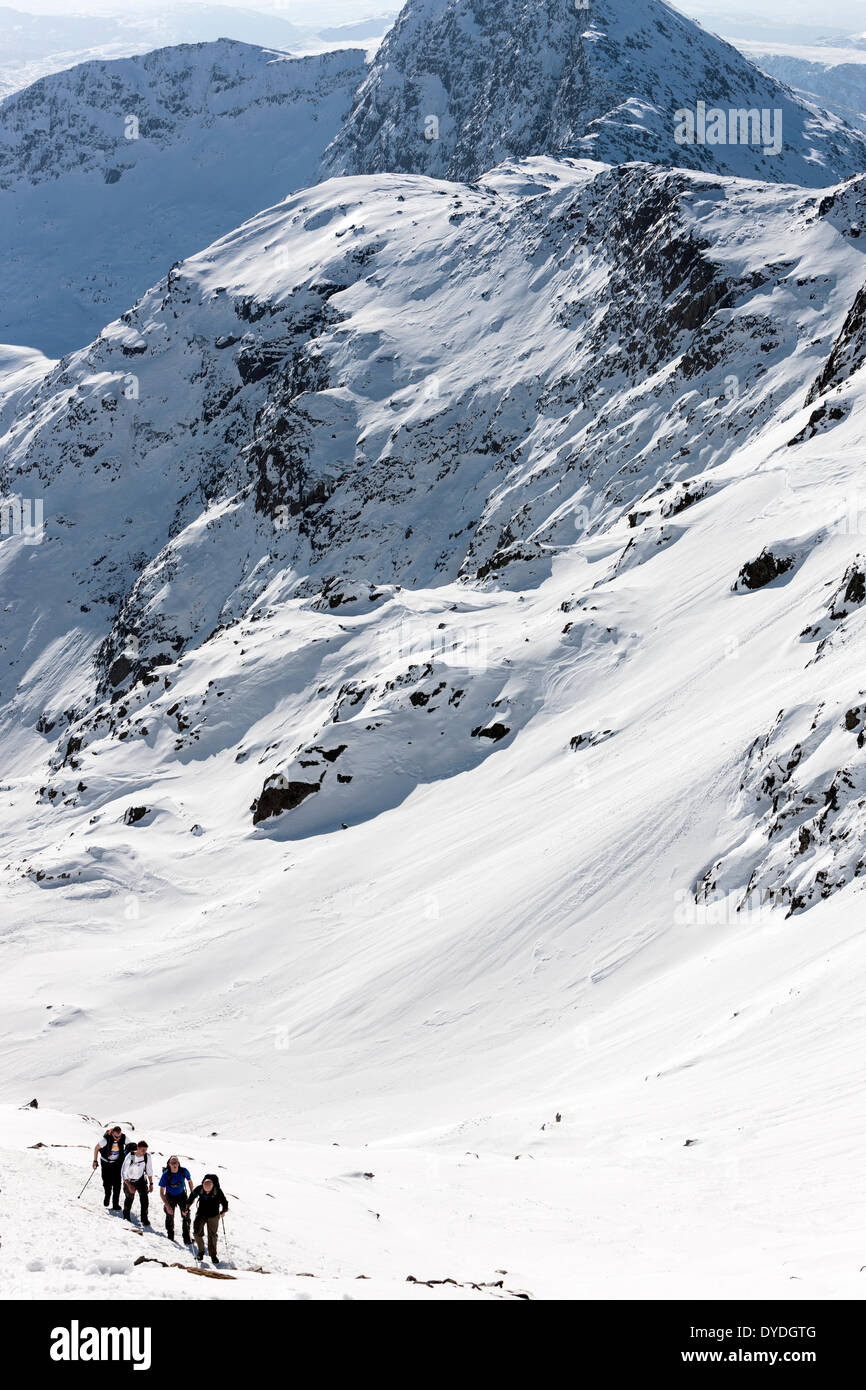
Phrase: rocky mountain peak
(460, 85)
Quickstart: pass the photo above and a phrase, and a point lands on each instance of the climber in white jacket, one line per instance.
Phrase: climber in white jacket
(137, 1175)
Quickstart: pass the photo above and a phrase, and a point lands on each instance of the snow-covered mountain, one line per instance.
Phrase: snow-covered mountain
(111, 171)
(423, 570)
(433, 733)
(460, 85)
(360, 29)
(394, 387)
(837, 81)
(34, 45)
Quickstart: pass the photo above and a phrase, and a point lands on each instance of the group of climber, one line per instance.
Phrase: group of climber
(127, 1163)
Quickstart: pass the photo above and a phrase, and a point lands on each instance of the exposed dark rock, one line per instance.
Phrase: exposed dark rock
(332, 754)
(260, 359)
(133, 814)
(493, 731)
(190, 1269)
(684, 499)
(856, 590)
(756, 574)
(849, 350)
(119, 670)
(819, 420)
(281, 796)
(588, 740)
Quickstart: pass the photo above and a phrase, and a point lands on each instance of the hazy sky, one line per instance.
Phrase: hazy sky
(841, 14)
(844, 14)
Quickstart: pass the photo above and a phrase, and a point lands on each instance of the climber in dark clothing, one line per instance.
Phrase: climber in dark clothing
(110, 1150)
(211, 1203)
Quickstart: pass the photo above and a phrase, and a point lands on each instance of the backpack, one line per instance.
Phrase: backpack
(129, 1147)
(217, 1195)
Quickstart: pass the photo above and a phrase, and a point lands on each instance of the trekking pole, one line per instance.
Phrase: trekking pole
(225, 1238)
(92, 1171)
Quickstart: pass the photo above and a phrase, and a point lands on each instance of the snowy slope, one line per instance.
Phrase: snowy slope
(530, 718)
(111, 171)
(509, 1203)
(433, 732)
(460, 85)
(328, 405)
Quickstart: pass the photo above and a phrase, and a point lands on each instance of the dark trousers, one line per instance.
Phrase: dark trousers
(213, 1225)
(175, 1200)
(141, 1188)
(111, 1182)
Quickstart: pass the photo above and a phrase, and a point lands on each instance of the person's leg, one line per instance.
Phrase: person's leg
(106, 1181)
(198, 1227)
(142, 1190)
(213, 1225)
(115, 1187)
(169, 1215)
(184, 1212)
(127, 1200)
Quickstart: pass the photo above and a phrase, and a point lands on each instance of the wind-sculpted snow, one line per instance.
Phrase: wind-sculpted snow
(460, 85)
(111, 171)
